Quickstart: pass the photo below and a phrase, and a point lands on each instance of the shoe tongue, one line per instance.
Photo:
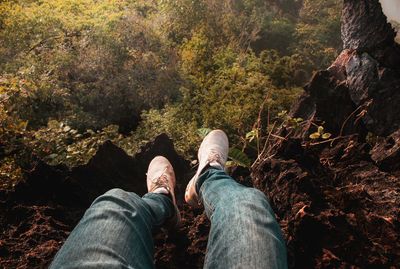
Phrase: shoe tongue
(216, 165)
(161, 190)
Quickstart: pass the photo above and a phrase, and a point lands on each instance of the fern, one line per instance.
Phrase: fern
(203, 132)
(239, 157)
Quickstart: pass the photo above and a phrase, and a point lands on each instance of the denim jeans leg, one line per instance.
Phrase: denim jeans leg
(115, 232)
(244, 232)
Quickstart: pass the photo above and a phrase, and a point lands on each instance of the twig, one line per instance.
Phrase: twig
(329, 140)
(265, 144)
(41, 42)
(54, 37)
(259, 134)
(4, 100)
(365, 105)
(280, 137)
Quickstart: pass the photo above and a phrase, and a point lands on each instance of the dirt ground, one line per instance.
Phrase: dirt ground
(336, 207)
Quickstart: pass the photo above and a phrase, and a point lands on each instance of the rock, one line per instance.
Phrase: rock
(327, 100)
(385, 110)
(386, 154)
(111, 167)
(362, 77)
(376, 88)
(360, 91)
(364, 26)
(337, 209)
(339, 203)
(37, 216)
(338, 67)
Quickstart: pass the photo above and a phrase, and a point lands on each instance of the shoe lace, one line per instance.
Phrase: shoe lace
(214, 156)
(160, 182)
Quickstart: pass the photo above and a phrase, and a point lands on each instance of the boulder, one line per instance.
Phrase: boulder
(364, 26)
(338, 203)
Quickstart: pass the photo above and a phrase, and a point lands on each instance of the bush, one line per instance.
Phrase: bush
(233, 91)
(170, 121)
(102, 61)
(75, 73)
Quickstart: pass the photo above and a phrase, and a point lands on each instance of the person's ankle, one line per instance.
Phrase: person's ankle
(212, 153)
(203, 178)
(163, 191)
(215, 165)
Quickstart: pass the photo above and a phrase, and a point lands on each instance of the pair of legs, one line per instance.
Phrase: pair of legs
(116, 231)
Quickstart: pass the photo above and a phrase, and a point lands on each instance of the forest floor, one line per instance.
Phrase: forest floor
(343, 208)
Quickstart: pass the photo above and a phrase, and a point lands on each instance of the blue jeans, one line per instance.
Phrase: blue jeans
(116, 231)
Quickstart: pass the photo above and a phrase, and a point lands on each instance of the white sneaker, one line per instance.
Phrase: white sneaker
(213, 152)
(161, 179)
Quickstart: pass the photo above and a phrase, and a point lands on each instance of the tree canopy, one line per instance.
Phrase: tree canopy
(74, 73)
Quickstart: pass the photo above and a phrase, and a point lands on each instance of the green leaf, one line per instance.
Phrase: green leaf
(203, 132)
(299, 120)
(239, 157)
(251, 135)
(315, 136)
(320, 130)
(326, 135)
(22, 125)
(229, 164)
(282, 114)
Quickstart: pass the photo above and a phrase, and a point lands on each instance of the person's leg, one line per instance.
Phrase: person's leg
(116, 232)
(244, 232)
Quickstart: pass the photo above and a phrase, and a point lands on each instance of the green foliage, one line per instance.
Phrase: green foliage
(253, 134)
(230, 94)
(10, 172)
(203, 132)
(320, 134)
(93, 62)
(239, 158)
(318, 33)
(288, 121)
(59, 143)
(233, 23)
(76, 73)
(12, 128)
(171, 121)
